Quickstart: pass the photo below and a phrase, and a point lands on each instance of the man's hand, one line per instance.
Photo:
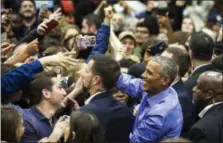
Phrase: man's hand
(42, 28)
(56, 15)
(32, 47)
(79, 86)
(60, 59)
(74, 103)
(59, 129)
(108, 15)
(6, 48)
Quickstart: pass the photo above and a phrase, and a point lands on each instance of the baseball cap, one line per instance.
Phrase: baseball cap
(125, 34)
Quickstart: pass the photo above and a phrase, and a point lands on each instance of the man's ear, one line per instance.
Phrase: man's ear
(46, 94)
(96, 80)
(166, 81)
(210, 95)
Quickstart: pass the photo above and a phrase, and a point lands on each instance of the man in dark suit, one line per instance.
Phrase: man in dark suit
(98, 77)
(209, 91)
(181, 57)
(201, 51)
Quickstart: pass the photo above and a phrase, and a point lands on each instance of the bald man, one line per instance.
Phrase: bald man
(208, 92)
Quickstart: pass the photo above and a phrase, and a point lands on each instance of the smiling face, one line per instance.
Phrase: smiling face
(152, 80)
(187, 25)
(57, 93)
(27, 10)
(142, 35)
(129, 44)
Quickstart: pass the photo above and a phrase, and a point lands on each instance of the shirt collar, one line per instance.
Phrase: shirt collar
(201, 114)
(91, 97)
(153, 100)
(38, 114)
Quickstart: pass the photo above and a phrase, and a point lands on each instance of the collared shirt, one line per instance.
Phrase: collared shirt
(159, 116)
(37, 126)
(91, 97)
(201, 114)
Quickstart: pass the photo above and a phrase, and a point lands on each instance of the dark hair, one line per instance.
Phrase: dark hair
(218, 62)
(181, 37)
(127, 63)
(10, 119)
(201, 46)
(107, 68)
(151, 23)
(181, 57)
(47, 42)
(20, 4)
(41, 81)
(86, 127)
(93, 19)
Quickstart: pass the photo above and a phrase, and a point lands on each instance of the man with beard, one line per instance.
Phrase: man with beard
(27, 10)
(98, 78)
(208, 92)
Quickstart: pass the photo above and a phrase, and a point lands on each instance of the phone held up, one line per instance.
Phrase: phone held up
(85, 41)
(157, 48)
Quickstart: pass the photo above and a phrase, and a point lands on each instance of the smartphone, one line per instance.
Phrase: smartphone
(51, 25)
(157, 48)
(85, 41)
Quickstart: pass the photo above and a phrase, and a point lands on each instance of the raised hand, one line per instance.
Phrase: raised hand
(59, 129)
(56, 15)
(42, 28)
(60, 59)
(108, 14)
(32, 47)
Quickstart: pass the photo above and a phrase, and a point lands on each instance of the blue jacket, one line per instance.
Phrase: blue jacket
(102, 41)
(19, 78)
(114, 116)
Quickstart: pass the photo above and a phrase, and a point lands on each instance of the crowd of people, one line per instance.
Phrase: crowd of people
(111, 71)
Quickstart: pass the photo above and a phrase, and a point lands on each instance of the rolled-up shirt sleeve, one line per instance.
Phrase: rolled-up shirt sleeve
(130, 85)
(18, 78)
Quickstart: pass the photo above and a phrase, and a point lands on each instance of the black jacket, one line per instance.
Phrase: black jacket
(115, 117)
(210, 127)
(191, 82)
(186, 105)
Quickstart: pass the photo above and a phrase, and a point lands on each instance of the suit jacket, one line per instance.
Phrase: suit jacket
(116, 119)
(210, 127)
(191, 82)
(186, 105)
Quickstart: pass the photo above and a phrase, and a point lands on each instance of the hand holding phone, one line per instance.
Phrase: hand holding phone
(85, 41)
(157, 48)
